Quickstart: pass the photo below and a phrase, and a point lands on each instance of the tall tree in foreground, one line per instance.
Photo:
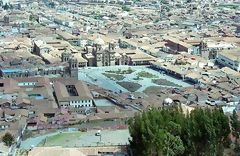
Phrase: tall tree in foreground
(235, 124)
(170, 132)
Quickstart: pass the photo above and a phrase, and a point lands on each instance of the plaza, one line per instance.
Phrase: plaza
(140, 78)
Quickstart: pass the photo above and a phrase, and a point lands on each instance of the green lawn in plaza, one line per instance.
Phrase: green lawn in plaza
(130, 86)
(61, 138)
(165, 82)
(146, 75)
(121, 71)
(117, 77)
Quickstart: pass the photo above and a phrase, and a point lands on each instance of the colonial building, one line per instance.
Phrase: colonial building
(178, 46)
(114, 54)
(229, 58)
(73, 93)
(104, 57)
(54, 70)
(75, 61)
(73, 40)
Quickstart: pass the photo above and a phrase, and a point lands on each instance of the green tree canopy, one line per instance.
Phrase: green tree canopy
(235, 124)
(170, 132)
(8, 139)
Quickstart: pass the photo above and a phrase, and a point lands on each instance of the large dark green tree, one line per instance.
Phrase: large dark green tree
(170, 132)
(235, 124)
(8, 139)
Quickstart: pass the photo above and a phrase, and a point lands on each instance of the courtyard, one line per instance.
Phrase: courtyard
(128, 78)
(79, 139)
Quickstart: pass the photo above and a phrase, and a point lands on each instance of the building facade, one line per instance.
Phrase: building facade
(229, 58)
(73, 93)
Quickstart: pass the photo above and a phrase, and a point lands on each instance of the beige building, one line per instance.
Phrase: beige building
(73, 93)
(132, 57)
(111, 55)
(75, 61)
(104, 57)
(230, 58)
(73, 40)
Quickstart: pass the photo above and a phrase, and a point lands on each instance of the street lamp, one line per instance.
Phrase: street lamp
(100, 135)
(100, 138)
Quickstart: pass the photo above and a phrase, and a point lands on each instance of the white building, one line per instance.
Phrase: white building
(73, 93)
(230, 58)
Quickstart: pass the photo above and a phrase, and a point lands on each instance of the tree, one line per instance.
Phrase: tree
(170, 132)
(150, 131)
(8, 139)
(171, 145)
(235, 123)
(236, 148)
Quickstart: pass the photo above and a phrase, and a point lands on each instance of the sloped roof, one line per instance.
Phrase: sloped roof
(63, 95)
(55, 151)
